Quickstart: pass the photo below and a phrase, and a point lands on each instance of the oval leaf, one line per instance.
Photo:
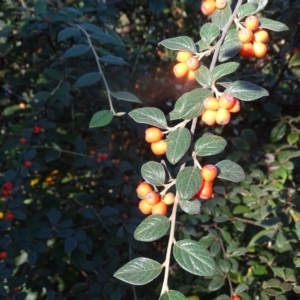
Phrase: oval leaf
(87, 79)
(126, 96)
(247, 10)
(224, 69)
(209, 144)
(209, 32)
(152, 228)
(203, 76)
(229, 49)
(188, 182)
(149, 115)
(194, 258)
(246, 91)
(101, 118)
(221, 16)
(76, 50)
(191, 207)
(179, 43)
(172, 295)
(67, 33)
(139, 271)
(230, 171)
(216, 283)
(178, 142)
(154, 173)
(272, 25)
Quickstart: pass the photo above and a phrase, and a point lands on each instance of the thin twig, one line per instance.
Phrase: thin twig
(62, 150)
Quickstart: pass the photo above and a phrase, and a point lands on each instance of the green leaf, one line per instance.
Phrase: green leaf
(178, 142)
(179, 43)
(216, 283)
(278, 132)
(295, 60)
(191, 207)
(203, 76)
(154, 173)
(194, 258)
(139, 271)
(230, 171)
(42, 96)
(152, 228)
(221, 16)
(209, 144)
(67, 33)
(262, 237)
(225, 265)
(172, 295)
(87, 79)
(188, 182)
(247, 9)
(149, 115)
(113, 60)
(76, 50)
(229, 49)
(70, 244)
(209, 32)
(261, 4)
(224, 69)
(101, 118)
(241, 288)
(241, 209)
(272, 25)
(156, 6)
(293, 138)
(246, 91)
(54, 74)
(190, 105)
(126, 96)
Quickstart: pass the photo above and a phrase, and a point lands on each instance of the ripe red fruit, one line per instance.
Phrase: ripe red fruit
(104, 156)
(126, 178)
(209, 172)
(8, 185)
(206, 190)
(236, 298)
(27, 163)
(37, 129)
(247, 50)
(22, 140)
(9, 216)
(3, 255)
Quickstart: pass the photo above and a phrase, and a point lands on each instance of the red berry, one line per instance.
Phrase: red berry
(9, 216)
(3, 255)
(27, 163)
(22, 140)
(8, 185)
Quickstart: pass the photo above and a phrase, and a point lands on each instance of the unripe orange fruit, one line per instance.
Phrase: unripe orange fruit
(144, 207)
(182, 56)
(159, 148)
(247, 50)
(260, 49)
(192, 63)
(209, 117)
(205, 191)
(191, 75)
(209, 172)
(208, 7)
(153, 135)
(252, 22)
(220, 4)
(222, 116)
(159, 209)
(236, 107)
(143, 189)
(180, 70)
(211, 103)
(245, 35)
(260, 36)
(226, 101)
(152, 198)
(169, 198)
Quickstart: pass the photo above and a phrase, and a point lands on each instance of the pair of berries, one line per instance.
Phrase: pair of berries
(154, 136)
(218, 110)
(151, 202)
(37, 129)
(187, 64)
(101, 156)
(209, 6)
(253, 39)
(208, 173)
(7, 188)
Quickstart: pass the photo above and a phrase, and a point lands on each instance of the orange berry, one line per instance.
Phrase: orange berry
(143, 189)
(236, 107)
(245, 35)
(191, 75)
(226, 101)
(211, 103)
(153, 135)
(247, 50)
(169, 198)
(260, 36)
(205, 191)
(180, 70)
(144, 207)
(220, 4)
(159, 209)
(236, 298)
(182, 56)
(260, 49)
(208, 7)
(152, 198)
(252, 23)
(209, 117)
(159, 148)
(222, 116)
(209, 172)
(192, 63)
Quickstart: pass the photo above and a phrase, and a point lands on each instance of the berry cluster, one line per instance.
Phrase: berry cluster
(208, 173)
(187, 65)
(253, 39)
(7, 188)
(152, 202)
(209, 6)
(218, 110)
(154, 136)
